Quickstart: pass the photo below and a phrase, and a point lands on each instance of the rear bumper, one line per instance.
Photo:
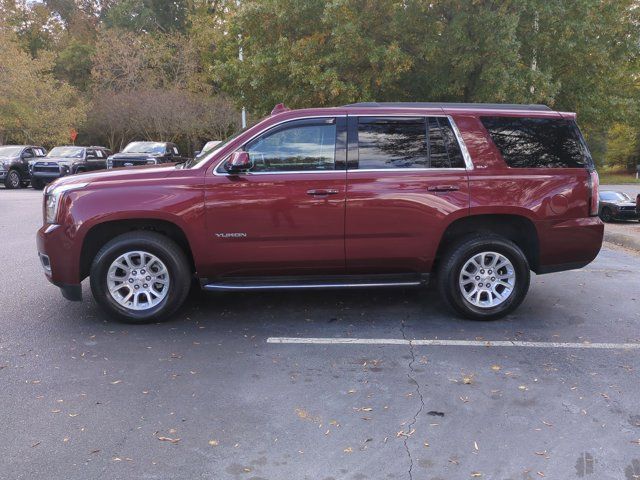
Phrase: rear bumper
(568, 244)
(60, 260)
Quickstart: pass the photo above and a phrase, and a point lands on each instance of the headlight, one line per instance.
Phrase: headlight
(52, 197)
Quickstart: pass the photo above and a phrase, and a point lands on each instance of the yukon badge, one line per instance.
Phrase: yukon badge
(231, 235)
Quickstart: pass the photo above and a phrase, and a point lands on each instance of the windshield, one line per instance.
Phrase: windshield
(145, 147)
(615, 197)
(66, 152)
(7, 152)
(205, 155)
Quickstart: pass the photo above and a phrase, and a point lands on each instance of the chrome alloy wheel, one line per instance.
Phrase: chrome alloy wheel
(487, 279)
(138, 280)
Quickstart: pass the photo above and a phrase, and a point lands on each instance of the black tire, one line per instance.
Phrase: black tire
(162, 247)
(453, 261)
(37, 184)
(13, 180)
(606, 215)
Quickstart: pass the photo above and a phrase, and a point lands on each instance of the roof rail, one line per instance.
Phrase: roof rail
(479, 106)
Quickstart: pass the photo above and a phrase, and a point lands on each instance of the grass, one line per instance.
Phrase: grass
(617, 178)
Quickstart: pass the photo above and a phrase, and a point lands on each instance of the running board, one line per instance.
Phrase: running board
(316, 282)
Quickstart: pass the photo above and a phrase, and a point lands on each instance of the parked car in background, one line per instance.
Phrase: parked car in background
(146, 153)
(210, 145)
(364, 195)
(617, 206)
(14, 163)
(67, 160)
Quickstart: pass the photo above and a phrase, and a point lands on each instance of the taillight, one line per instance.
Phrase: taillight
(594, 184)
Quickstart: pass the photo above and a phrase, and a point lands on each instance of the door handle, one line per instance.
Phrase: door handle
(322, 192)
(443, 188)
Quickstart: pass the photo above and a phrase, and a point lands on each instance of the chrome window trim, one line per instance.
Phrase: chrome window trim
(463, 148)
(453, 169)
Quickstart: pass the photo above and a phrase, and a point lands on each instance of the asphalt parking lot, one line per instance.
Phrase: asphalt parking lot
(219, 393)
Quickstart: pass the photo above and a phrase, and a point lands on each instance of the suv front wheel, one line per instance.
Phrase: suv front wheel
(140, 277)
(484, 277)
(13, 180)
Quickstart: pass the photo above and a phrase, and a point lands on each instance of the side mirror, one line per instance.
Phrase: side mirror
(238, 163)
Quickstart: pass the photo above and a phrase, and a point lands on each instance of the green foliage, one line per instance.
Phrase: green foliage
(147, 15)
(575, 55)
(74, 64)
(622, 147)
(34, 107)
(578, 55)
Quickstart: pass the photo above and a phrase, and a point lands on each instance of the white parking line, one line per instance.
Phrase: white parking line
(450, 343)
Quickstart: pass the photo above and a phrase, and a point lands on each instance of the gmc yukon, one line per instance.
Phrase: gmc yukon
(474, 196)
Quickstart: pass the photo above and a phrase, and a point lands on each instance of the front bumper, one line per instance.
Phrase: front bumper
(625, 214)
(60, 260)
(47, 176)
(3, 174)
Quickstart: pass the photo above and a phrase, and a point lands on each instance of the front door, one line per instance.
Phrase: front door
(285, 216)
(406, 181)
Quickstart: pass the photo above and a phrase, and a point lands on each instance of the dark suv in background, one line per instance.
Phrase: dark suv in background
(14, 163)
(146, 153)
(67, 160)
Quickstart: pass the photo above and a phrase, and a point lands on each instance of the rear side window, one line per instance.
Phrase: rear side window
(419, 142)
(538, 142)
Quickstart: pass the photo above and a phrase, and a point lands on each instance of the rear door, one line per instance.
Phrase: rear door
(406, 181)
(286, 215)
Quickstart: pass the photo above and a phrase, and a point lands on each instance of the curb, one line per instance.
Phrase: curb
(627, 241)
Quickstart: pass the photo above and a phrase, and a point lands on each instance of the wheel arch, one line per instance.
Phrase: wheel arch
(518, 228)
(98, 235)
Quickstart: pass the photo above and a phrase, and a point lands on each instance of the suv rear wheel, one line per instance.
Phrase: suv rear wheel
(13, 179)
(484, 277)
(140, 277)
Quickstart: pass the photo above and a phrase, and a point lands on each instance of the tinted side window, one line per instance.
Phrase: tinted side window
(407, 143)
(303, 146)
(538, 142)
(444, 151)
(392, 143)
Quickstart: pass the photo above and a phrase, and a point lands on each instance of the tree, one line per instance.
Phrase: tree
(579, 55)
(622, 147)
(147, 15)
(34, 107)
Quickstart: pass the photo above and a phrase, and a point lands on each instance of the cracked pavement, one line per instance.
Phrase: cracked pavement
(206, 397)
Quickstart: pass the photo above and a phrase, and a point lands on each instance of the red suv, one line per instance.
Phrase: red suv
(364, 195)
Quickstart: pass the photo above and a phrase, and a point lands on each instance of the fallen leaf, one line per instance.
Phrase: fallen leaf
(167, 439)
(348, 450)
(116, 382)
(495, 368)
(35, 444)
(214, 443)
(476, 474)
(547, 423)
(94, 451)
(540, 473)
(475, 446)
